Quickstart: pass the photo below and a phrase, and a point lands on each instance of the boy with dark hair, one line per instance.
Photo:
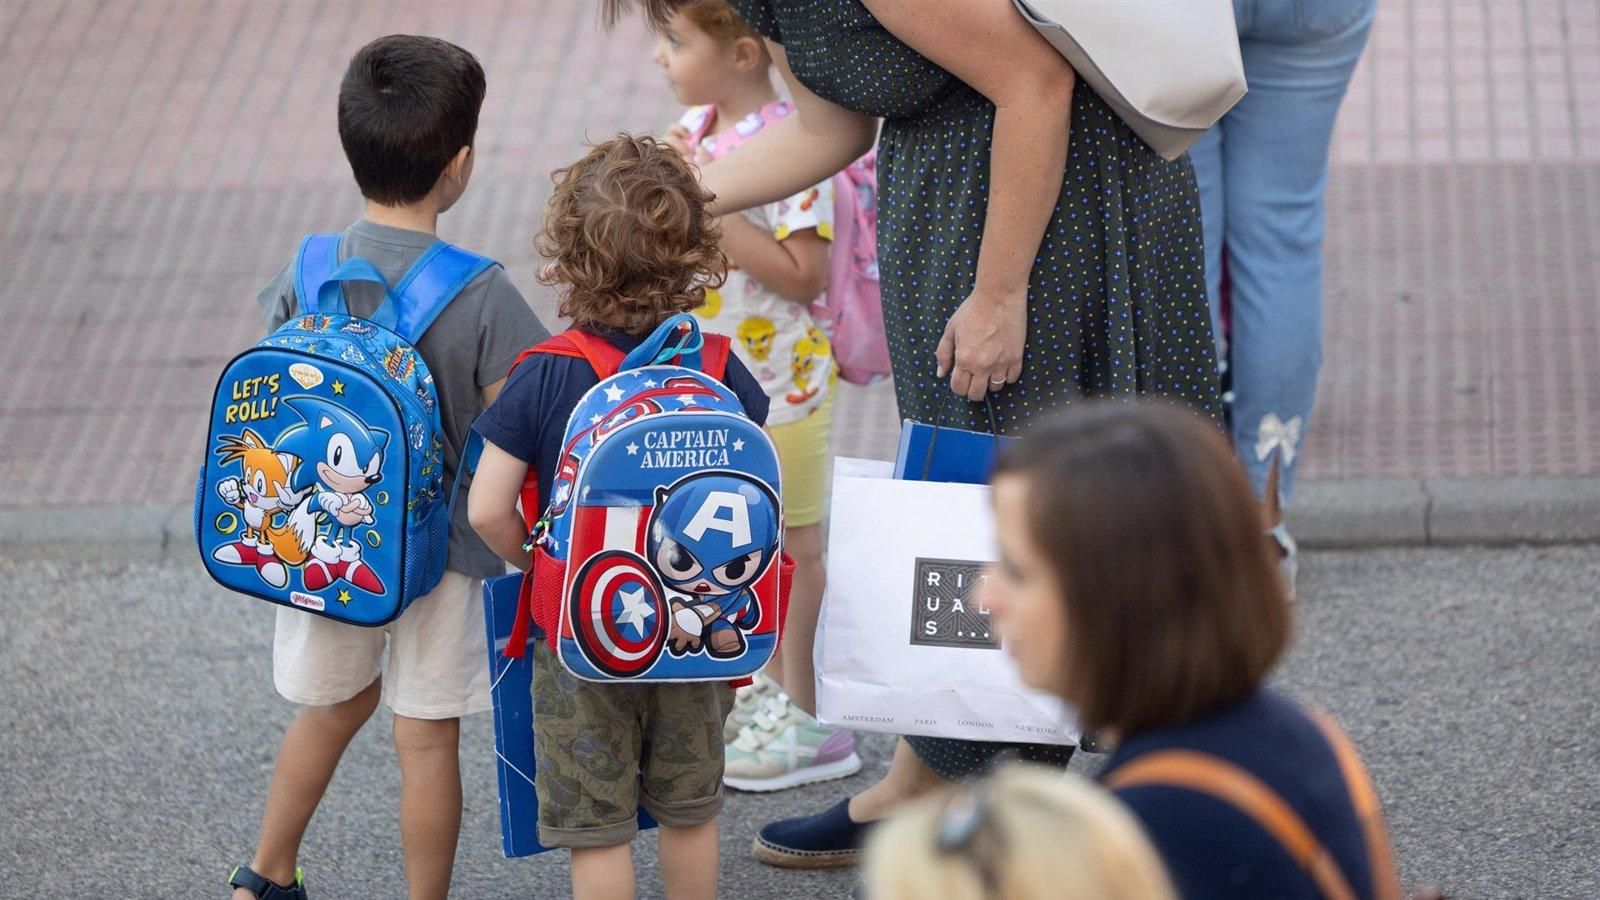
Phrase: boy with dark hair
(408, 112)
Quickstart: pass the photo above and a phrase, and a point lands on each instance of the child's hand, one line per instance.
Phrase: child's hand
(702, 157)
(677, 137)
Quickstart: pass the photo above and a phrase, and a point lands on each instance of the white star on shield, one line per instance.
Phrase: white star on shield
(686, 400)
(738, 445)
(633, 449)
(635, 611)
(614, 393)
(651, 383)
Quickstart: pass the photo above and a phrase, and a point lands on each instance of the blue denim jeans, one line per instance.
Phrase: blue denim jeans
(1262, 170)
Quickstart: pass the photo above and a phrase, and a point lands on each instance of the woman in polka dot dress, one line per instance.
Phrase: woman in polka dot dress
(1032, 249)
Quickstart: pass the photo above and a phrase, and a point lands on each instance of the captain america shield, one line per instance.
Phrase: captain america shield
(618, 613)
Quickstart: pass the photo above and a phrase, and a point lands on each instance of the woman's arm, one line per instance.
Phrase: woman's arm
(793, 153)
(795, 268)
(492, 505)
(988, 45)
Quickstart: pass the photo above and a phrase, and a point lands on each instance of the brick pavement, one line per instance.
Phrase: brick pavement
(158, 159)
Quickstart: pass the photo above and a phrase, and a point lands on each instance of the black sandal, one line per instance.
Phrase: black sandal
(247, 878)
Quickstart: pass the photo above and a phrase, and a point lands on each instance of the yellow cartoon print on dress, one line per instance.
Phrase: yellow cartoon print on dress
(811, 353)
(712, 307)
(757, 333)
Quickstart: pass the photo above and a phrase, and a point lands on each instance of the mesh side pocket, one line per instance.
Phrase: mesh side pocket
(427, 551)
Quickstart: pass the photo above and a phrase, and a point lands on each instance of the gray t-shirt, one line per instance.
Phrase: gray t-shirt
(471, 344)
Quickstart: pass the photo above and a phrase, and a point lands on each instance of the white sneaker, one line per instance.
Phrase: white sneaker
(784, 747)
(746, 701)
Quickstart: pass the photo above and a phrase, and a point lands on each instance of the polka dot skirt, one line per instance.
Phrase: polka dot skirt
(1116, 298)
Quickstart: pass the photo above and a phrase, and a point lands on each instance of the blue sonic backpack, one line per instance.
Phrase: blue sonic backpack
(324, 456)
(659, 555)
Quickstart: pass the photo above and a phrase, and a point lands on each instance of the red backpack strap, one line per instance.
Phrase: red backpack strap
(602, 357)
(714, 355)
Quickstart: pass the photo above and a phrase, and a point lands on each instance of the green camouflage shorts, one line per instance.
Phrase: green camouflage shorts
(604, 750)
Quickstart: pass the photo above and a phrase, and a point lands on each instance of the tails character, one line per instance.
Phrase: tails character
(265, 495)
(710, 537)
(341, 458)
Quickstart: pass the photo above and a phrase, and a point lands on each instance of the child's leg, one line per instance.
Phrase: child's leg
(605, 873)
(437, 673)
(800, 627)
(803, 456)
(306, 761)
(689, 861)
(430, 801)
(331, 670)
(681, 777)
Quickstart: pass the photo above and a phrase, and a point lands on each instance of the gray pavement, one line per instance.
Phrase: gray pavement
(142, 727)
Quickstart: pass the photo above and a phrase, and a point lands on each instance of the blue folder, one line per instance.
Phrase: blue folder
(511, 692)
(959, 456)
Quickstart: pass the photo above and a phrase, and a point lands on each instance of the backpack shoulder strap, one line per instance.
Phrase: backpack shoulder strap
(605, 359)
(714, 355)
(1364, 798)
(1207, 774)
(435, 279)
(316, 259)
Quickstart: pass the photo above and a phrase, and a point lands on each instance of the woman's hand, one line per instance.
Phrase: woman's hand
(981, 350)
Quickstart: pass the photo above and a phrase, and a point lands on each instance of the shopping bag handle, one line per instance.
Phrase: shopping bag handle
(938, 422)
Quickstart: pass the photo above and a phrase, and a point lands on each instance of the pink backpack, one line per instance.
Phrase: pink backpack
(851, 312)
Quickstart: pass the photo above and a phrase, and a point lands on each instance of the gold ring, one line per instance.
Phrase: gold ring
(231, 519)
(374, 540)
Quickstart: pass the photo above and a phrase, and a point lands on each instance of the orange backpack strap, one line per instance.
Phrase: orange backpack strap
(1364, 797)
(1206, 774)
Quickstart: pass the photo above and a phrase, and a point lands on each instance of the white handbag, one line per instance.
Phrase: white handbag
(1169, 68)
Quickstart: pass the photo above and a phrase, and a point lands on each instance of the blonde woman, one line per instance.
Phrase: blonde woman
(1026, 833)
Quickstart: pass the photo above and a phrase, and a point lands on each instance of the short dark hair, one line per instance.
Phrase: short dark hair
(1174, 604)
(407, 106)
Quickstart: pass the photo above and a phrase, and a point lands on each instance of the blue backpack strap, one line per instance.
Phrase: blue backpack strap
(330, 295)
(471, 452)
(317, 258)
(676, 338)
(438, 275)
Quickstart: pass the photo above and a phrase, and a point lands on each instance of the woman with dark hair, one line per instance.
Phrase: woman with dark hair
(1135, 582)
(1033, 251)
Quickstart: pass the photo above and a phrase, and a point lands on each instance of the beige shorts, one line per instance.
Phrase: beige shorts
(436, 665)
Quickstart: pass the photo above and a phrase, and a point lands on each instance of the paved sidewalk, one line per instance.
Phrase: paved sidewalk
(158, 159)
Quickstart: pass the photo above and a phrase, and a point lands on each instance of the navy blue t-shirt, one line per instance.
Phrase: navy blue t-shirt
(1213, 850)
(529, 418)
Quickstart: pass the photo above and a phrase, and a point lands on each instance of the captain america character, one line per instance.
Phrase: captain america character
(710, 537)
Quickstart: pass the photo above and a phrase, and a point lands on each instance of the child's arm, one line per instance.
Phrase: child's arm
(793, 153)
(795, 268)
(492, 504)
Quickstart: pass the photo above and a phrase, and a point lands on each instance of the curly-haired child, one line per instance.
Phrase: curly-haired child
(630, 244)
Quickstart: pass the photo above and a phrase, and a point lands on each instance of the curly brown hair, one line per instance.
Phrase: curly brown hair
(628, 236)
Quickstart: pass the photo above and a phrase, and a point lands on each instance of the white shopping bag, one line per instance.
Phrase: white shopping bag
(903, 644)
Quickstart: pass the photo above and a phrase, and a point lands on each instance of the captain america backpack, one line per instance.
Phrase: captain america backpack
(659, 554)
(324, 457)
